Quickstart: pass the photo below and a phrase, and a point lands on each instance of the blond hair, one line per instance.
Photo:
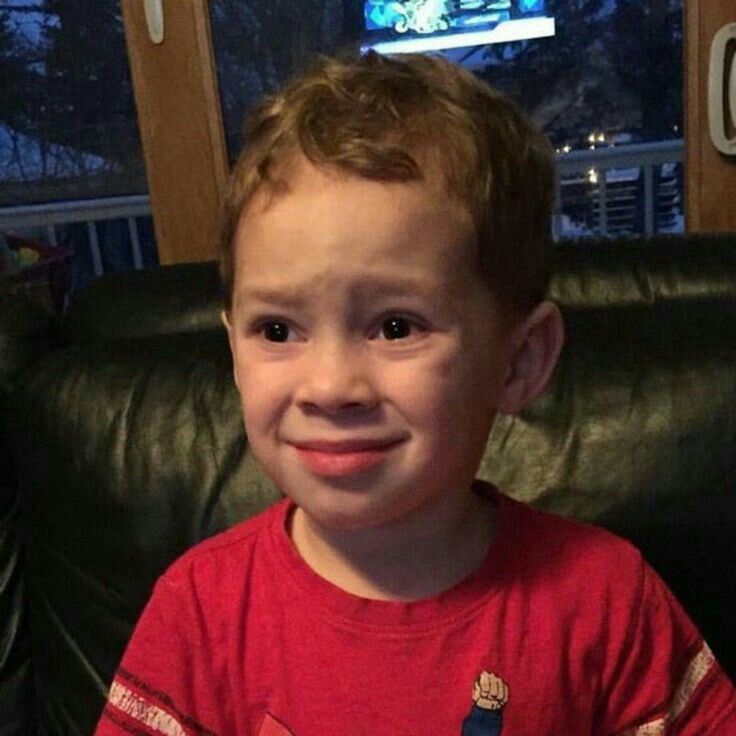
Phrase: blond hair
(390, 119)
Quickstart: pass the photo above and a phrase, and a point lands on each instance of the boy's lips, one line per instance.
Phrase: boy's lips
(345, 457)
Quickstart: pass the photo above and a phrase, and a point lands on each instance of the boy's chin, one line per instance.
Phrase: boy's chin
(341, 520)
(350, 512)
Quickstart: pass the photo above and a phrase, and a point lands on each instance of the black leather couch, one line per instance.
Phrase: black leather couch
(122, 445)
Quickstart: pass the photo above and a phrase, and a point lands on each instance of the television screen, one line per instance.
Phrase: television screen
(433, 25)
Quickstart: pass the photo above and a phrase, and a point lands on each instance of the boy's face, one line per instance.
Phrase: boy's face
(367, 349)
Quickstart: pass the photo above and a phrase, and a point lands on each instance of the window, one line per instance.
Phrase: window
(608, 79)
(259, 44)
(607, 90)
(69, 135)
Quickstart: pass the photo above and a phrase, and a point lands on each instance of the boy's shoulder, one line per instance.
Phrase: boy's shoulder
(230, 548)
(559, 552)
(543, 531)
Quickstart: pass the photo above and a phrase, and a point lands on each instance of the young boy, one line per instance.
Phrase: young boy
(384, 269)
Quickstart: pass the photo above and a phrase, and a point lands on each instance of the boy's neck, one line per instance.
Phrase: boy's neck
(424, 555)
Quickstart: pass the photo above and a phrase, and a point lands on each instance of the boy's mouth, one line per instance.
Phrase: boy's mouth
(335, 459)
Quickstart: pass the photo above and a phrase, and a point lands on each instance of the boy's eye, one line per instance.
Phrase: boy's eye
(396, 328)
(275, 331)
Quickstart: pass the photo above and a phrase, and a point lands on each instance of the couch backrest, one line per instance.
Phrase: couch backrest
(130, 445)
(27, 333)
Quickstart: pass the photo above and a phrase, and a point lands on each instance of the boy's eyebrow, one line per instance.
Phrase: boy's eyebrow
(293, 297)
(395, 285)
(278, 297)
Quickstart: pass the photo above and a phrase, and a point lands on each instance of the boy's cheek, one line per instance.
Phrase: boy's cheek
(460, 376)
(264, 396)
(253, 372)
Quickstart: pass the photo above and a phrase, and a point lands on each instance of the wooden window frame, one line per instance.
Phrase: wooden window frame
(181, 127)
(710, 177)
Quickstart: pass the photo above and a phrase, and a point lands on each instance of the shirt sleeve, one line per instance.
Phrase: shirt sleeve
(665, 680)
(164, 684)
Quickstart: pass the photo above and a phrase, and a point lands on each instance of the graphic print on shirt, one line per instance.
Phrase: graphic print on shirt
(490, 695)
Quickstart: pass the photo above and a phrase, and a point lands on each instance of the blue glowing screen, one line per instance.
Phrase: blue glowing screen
(413, 25)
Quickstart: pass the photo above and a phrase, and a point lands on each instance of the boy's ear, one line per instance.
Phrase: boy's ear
(229, 329)
(535, 349)
(225, 321)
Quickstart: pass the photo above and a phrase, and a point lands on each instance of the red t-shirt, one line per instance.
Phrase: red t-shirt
(563, 630)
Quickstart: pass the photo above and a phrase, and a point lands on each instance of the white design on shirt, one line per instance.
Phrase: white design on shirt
(144, 711)
(694, 674)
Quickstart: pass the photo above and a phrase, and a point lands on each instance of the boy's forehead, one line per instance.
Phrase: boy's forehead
(321, 221)
(301, 193)
(371, 234)
(315, 233)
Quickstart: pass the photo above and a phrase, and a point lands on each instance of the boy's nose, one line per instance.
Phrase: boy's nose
(336, 379)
